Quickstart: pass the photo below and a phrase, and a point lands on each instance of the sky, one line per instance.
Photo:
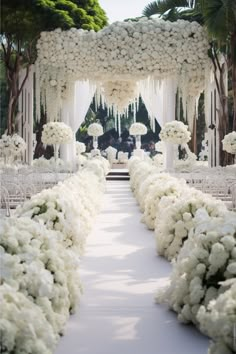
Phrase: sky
(118, 10)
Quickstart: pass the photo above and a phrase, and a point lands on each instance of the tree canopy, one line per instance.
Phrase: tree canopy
(21, 24)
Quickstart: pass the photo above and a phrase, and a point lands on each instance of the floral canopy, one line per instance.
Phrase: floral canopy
(123, 61)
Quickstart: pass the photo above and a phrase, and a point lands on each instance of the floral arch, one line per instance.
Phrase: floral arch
(149, 57)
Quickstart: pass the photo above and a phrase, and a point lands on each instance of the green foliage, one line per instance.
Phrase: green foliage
(161, 6)
(219, 17)
(21, 24)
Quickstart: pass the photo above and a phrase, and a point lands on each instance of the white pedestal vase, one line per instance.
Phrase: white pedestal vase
(95, 142)
(56, 148)
(138, 141)
(170, 157)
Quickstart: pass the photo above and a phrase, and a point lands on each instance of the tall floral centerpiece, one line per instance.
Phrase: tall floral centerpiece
(11, 146)
(56, 133)
(138, 129)
(229, 144)
(80, 148)
(175, 133)
(95, 130)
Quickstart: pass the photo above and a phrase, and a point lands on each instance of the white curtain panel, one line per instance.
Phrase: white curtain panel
(84, 92)
(152, 93)
(74, 112)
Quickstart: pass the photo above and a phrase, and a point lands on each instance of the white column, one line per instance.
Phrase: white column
(26, 112)
(65, 117)
(169, 115)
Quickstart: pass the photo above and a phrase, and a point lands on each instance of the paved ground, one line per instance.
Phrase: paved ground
(120, 273)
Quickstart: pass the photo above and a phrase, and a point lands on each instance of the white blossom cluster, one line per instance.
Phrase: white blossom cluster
(206, 259)
(119, 94)
(188, 162)
(80, 147)
(12, 145)
(229, 143)
(200, 233)
(175, 132)
(56, 133)
(111, 153)
(39, 255)
(52, 163)
(174, 222)
(95, 129)
(23, 325)
(203, 154)
(35, 262)
(138, 129)
(218, 321)
(125, 51)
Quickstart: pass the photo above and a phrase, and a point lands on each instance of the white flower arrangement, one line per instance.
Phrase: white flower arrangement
(206, 259)
(175, 132)
(125, 52)
(229, 143)
(138, 129)
(36, 263)
(173, 223)
(41, 162)
(39, 266)
(95, 129)
(163, 187)
(56, 133)
(188, 162)
(218, 321)
(203, 154)
(23, 326)
(119, 94)
(111, 154)
(12, 144)
(80, 147)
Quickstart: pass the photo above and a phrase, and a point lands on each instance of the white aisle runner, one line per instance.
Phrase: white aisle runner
(120, 273)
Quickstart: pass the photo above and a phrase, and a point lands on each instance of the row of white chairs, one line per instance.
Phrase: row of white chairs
(15, 188)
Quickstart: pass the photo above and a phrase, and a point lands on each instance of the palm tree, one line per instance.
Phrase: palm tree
(219, 17)
(220, 20)
(160, 7)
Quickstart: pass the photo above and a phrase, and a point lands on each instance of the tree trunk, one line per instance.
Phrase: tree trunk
(219, 71)
(13, 62)
(233, 60)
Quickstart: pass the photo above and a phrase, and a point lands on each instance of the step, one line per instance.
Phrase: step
(114, 173)
(117, 178)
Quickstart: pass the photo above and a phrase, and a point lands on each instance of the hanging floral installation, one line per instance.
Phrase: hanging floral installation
(126, 53)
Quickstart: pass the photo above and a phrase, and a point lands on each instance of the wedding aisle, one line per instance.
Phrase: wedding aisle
(120, 273)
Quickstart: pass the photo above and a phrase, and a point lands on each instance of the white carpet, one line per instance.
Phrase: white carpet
(120, 273)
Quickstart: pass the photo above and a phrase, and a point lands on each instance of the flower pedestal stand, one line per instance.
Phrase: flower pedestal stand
(95, 142)
(138, 142)
(170, 157)
(56, 148)
(139, 153)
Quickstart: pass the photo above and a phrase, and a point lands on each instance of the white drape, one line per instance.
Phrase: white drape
(152, 93)
(74, 111)
(159, 98)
